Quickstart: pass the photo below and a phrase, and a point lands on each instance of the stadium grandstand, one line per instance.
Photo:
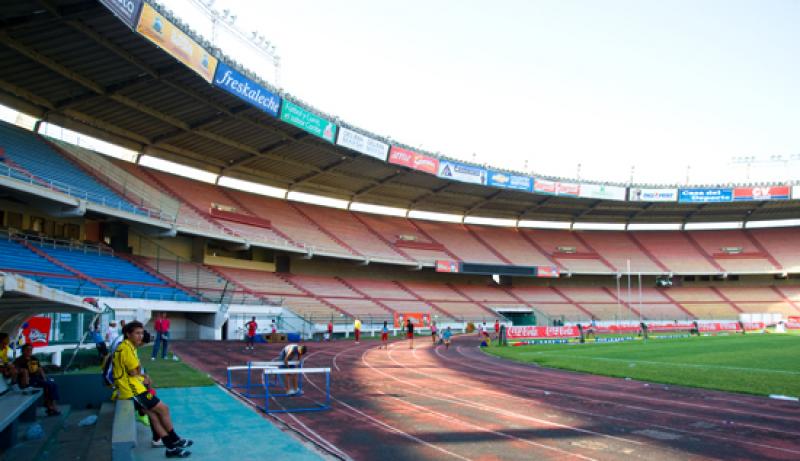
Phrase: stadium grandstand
(409, 231)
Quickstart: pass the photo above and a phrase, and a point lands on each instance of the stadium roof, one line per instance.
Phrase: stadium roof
(74, 64)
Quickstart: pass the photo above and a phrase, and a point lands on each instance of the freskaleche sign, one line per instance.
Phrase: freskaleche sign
(247, 90)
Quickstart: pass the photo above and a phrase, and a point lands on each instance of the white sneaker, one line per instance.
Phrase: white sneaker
(157, 443)
(152, 359)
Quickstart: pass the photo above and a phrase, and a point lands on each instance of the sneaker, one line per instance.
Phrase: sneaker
(178, 453)
(152, 359)
(183, 443)
(157, 443)
(143, 419)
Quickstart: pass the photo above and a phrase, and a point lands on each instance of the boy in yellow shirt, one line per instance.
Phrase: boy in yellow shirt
(131, 383)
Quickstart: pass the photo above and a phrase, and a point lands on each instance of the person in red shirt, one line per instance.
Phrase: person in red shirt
(161, 326)
(330, 331)
(252, 326)
(496, 328)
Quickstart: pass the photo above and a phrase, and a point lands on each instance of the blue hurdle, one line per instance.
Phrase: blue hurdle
(318, 406)
(252, 389)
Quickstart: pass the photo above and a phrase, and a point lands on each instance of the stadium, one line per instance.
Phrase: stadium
(590, 320)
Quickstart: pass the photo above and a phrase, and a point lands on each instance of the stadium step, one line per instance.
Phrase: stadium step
(38, 449)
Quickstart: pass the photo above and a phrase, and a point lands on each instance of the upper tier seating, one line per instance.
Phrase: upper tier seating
(29, 151)
(350, 230)
(289, 221)
(512, 245)
(676, 251)
(401, 230)
(116, 273)
(459, 241)
(16, 258)
(573, 255)
(781, 244)
(203, 197)
(343, 233)
(618, 248)
(751, 258)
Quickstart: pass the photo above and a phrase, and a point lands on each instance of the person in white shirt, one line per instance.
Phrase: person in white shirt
(111, 332)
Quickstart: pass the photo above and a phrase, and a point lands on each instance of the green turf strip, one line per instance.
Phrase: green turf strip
(754, 364)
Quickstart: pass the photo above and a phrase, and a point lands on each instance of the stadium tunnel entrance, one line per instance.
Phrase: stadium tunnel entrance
(518, 316)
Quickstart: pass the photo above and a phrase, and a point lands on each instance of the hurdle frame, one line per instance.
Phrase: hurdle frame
(285, 371)
(256, 365)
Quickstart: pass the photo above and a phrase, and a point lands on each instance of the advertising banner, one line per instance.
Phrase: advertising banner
(419, 319)
(166, 35)
(636, 194)
(247, 90)
(542, 332)
(705, 195)
(126, 10)
(36, 331)
(293, 114)
(761, 193)
(462, 172)
(547, 272)
(793, 322)
(413, 160)
(796, 192)
(544, 186)
(602, 191)
(447, 266)
(363, 144)
(510, 181)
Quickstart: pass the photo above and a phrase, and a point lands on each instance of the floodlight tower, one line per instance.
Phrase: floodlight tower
(227, 20)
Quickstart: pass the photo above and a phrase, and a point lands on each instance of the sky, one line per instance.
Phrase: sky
(654, 91)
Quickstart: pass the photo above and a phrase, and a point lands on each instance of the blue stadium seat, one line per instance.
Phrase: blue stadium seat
(117, 273)
(27, 150)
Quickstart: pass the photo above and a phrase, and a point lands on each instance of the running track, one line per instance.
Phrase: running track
(435, 404)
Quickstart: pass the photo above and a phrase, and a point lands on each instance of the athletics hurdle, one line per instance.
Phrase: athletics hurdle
(317, 406)
(249, 382)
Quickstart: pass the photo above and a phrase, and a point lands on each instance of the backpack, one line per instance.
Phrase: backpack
(107, 370)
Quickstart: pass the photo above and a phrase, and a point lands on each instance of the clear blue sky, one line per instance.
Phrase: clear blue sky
(608, 84)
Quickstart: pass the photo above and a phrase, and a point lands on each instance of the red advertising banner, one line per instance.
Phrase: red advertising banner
(564, 188)
(413, 160)
(447, 266)
(556, 188)
(36, 331)
(419, 319)
(547, 271)
(793, 322)
(762, 193)
(542, 332)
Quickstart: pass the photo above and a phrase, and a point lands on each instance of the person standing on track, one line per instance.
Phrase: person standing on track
(497, 328)
(252, 326)
(330, 331)
(434, 330)
(357, 329)
(384, 335)
(292, 352)
(446, 335)
(410, 333)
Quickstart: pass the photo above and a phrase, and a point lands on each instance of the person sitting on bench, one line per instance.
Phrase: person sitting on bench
(7, 370)
(30, 373)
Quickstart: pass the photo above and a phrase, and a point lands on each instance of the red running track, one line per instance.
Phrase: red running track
(432, 403)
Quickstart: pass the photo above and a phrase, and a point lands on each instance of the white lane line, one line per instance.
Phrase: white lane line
(629, 394)
(644, 423)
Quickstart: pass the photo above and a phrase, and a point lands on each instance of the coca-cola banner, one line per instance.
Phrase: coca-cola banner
(542, 332)
(413, 160)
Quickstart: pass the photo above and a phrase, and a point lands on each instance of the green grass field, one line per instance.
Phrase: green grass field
(165, 373)
(754, 364)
